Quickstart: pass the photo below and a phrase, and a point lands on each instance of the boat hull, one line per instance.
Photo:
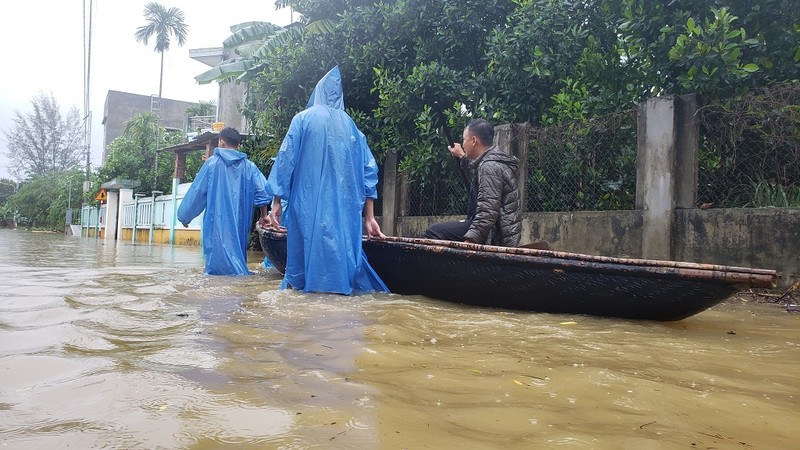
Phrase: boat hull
(546, 281)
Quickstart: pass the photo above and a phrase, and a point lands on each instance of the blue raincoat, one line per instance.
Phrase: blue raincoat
(326, 171)
(227, 187)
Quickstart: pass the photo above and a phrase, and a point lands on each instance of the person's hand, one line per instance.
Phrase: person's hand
(373, 229)
(457, 151)
(275, 213)
(264, 221)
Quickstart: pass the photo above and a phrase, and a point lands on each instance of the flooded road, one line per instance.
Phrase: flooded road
(123, 346)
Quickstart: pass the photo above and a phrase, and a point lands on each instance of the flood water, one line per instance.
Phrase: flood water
(132, 346)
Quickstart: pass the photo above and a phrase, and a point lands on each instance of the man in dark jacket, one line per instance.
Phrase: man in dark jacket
(493, 215)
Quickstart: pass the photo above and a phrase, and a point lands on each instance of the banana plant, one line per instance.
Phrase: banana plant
(252, 43)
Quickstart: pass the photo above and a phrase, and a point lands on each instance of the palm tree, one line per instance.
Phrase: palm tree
(202, 108)
(252, 43)
(143, 130)
(162, 23)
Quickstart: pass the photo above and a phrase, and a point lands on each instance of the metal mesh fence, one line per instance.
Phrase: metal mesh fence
(749, 156)
(583, 166)
(440, 192)
(750, 150)
(571, 167)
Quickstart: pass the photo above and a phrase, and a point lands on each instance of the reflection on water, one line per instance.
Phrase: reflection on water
(132, 346)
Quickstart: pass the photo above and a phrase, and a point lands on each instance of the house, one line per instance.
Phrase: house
(122, 106)
(231, 94)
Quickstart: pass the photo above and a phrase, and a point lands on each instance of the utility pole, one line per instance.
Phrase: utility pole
(87, 114)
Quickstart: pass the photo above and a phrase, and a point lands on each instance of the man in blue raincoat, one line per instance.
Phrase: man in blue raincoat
(327, 173)
(227, 187)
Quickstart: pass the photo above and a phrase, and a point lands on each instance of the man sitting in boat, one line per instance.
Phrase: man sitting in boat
(493, 214)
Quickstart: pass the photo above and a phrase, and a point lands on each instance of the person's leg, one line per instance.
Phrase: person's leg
(448, 231)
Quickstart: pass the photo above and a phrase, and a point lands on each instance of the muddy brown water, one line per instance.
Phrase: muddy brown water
(132, 346)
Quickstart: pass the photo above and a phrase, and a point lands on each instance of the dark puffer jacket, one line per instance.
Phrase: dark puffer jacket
(498, 217)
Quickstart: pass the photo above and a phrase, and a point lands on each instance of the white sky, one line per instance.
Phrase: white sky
(44, 46)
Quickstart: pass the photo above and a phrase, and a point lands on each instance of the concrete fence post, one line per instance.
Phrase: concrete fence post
(112, 215)
(666, 168)
(520, 149)
(125, 195)
(688, 148)
(513, 139)
(391, 194)
(655, 175)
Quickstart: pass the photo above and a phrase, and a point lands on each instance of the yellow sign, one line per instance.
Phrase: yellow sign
(102, 196)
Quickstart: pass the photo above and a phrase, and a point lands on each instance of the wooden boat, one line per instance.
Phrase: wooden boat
(545, 280)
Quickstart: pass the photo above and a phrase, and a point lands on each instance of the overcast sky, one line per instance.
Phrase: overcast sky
(44, 47)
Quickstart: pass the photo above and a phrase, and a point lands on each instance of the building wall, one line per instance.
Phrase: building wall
(160, 236)
(122, 106)
(231, 96)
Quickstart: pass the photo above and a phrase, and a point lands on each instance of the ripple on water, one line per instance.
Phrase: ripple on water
(81, 341)
(26, 291)
(148, 409)
(129, 325)
(161, 289)
(247, 424)
(99, 297)
(39, 317)
(34, 372)
(192, 357)
(151, 353)
(9, 302)
(30, 341)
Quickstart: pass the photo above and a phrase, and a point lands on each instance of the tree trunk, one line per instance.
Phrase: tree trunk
(161, 79)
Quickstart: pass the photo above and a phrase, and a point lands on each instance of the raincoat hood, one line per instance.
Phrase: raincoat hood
(328, 91)
(229, 156)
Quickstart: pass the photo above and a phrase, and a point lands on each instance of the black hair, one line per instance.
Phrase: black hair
(231, 136)
(483, 130)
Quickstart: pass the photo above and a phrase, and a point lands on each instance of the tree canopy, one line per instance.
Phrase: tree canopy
(42, 202)
(43, 141)
(407, 63)
(132, 156)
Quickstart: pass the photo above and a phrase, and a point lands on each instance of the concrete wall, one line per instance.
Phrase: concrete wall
(765, 238)
(161, 236)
